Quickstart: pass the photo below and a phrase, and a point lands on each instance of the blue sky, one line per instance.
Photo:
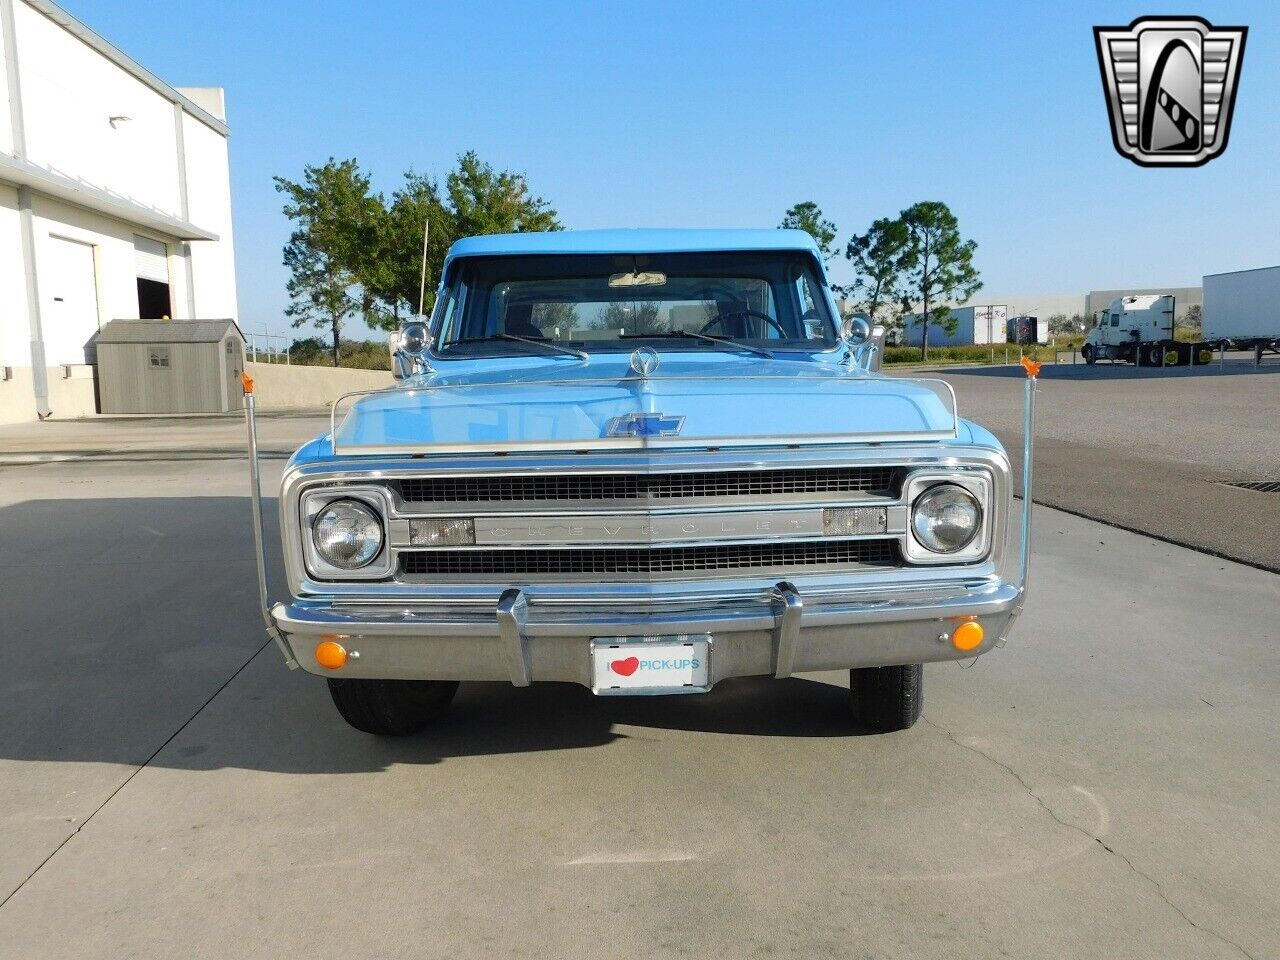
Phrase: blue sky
(700, 114)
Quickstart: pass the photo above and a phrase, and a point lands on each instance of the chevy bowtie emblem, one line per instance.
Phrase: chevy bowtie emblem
(645, 425)
(1170, 84)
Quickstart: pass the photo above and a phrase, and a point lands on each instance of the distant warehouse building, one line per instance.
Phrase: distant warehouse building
(115, 203)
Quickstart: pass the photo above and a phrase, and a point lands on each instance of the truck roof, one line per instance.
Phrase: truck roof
(1138, 303)
(637, 241)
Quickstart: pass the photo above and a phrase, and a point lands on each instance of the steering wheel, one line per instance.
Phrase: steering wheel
(719, 319)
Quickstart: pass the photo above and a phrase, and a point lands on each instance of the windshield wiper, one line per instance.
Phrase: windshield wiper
(678, 334)
(545, 344)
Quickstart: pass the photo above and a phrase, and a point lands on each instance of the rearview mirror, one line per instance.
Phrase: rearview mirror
(650, 279)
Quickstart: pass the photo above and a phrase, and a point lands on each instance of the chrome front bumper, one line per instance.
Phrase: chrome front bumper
(521, 640)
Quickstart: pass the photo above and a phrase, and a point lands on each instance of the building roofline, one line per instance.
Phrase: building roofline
(1227, 273)
(47, 183)
(126, 63)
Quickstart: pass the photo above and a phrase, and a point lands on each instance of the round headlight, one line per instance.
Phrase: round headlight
(946, 518)
(347, 534)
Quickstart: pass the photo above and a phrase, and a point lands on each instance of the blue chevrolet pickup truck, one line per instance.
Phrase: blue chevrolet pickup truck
(644, 461)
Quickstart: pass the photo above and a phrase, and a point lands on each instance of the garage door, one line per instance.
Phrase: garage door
(69, 315)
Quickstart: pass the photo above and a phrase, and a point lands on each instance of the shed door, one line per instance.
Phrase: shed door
(234, 351)
(69, 318)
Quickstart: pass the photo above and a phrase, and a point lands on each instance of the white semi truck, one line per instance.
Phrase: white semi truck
(1241, 312)
(1136, 330)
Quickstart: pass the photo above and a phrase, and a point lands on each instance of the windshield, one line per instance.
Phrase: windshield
(602, 302)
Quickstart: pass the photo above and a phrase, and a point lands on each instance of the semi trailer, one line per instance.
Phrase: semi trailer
(1242, 310)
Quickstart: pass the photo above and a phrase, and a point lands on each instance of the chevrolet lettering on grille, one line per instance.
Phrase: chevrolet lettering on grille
(634, 528)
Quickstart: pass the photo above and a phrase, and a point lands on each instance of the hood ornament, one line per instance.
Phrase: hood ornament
(644, 361)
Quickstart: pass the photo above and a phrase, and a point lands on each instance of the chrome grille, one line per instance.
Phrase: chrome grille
(654, 486)
(617, 561)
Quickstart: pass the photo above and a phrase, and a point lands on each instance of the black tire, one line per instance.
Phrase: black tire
(1155, 356)
(1087, 353)
(886, 699)
(391, 708)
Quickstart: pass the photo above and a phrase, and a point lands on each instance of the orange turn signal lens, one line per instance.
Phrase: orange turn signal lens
(967, 636)
(331, 655)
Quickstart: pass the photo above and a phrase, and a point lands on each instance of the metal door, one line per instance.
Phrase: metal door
(69, 295)
(234, 366)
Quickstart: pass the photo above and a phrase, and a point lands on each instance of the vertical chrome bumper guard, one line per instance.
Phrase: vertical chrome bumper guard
(786, 638)
(512, 608)
(255, 499)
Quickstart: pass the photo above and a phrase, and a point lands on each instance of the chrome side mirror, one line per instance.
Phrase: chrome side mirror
(863, 341)
(408, 348)
(856, 330)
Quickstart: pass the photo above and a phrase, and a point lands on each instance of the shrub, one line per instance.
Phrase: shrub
(361, 354)
(901, 355)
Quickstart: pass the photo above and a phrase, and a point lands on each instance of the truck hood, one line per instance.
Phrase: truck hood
(561, 404)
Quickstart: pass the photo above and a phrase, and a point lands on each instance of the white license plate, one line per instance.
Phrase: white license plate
(671, 664)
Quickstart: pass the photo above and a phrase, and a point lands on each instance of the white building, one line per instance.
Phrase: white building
(115, 203)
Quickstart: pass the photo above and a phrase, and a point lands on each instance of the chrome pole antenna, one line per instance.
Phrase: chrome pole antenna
(1032, 368)
(255, 500)
(422, 282)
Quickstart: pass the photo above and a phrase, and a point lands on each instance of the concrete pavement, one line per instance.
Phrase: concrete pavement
(1148, 450)
(1105, 786)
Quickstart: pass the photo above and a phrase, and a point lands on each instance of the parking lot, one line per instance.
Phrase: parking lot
(1104, 786)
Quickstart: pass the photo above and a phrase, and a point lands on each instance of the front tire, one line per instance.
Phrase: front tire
(1089, 356)
(886, 699)
(391, 708)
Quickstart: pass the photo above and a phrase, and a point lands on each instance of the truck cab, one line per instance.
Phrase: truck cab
(1128, 326)
(647, 462)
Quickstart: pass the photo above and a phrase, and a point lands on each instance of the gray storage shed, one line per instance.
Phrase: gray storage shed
(170, 366)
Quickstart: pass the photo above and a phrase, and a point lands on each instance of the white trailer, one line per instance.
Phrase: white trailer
(973, 325)
(1243, 307)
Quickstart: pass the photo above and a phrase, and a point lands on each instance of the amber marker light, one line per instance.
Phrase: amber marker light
(967, 636)
(331, 655)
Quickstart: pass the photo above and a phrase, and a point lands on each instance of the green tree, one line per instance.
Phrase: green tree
(476, 199)
(484, 200)
(939, 265)
(337, 221)
(879, 259)
(807, 216)
(395, 274)
(1060, 325)
(354, 252)
(1193, 319)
